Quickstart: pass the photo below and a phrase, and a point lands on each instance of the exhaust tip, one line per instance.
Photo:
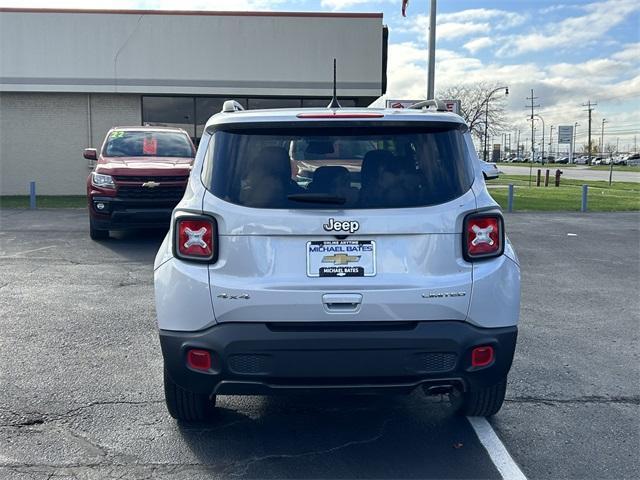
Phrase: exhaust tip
(438, 389)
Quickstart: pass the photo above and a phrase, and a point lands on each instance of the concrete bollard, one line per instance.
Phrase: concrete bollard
(585, 189)
(510, 199)
(538, 179)
(32, 195)
(546, 178)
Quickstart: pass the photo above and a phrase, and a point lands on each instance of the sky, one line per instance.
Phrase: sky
(568, 51)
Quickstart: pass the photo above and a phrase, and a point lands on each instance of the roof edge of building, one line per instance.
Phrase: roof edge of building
(225, 13)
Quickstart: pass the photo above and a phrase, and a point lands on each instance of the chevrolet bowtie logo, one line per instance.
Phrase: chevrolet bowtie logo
(150, 184)
(340, 259)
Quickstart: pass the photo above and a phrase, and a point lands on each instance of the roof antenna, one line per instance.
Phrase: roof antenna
(334, 101)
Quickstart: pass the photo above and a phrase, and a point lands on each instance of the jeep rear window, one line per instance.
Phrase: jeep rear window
(346, 167)
(126, 143)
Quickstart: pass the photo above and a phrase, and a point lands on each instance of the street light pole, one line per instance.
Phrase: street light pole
(551, 140)
(542, 145)
(486, 116)
(604, 120)
(431, 74)
(573, 147)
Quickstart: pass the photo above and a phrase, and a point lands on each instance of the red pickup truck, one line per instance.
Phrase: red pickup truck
(140, 176)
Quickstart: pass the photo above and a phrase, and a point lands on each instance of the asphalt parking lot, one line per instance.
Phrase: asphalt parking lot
(81, 390)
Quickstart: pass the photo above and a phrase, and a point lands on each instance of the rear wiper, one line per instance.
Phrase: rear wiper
(317, 198)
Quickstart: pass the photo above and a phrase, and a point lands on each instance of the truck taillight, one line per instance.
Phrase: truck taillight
(483, 236)
(196, 238)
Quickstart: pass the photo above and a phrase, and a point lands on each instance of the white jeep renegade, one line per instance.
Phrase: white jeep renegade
(339, 249)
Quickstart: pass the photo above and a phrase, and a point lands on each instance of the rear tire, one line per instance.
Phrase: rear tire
(96, 234)
(483, 402)
(185, 405)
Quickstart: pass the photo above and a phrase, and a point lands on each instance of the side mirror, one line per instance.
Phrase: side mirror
(90, 154)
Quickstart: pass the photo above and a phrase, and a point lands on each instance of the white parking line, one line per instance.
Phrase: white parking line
(498, 453)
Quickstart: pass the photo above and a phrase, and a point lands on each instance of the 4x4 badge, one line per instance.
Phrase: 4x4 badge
(344, 226)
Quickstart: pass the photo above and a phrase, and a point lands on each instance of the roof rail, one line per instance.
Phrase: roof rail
(231, 106)
(438, 104)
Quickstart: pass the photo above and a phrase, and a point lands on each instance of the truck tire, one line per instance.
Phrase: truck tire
(483, 402)
(185, 405)
(96, 234)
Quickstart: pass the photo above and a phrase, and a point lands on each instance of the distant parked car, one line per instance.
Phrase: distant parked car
(489, 170)
(564, 160)
(582, 160)
(140, 176)
(633, 159)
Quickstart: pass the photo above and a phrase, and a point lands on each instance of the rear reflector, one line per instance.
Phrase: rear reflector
(481, 356)
(483, 236)
(199, 359)
(195, 238)
(340, 115)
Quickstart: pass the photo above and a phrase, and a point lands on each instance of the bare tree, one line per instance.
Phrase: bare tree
(473, 99)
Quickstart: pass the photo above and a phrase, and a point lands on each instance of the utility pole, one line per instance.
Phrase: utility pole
(431, 75)
(604, 120)
(518, 146)
(551, 139)
(533, 150)
(589, 109)
(541, 144)
(573, 146)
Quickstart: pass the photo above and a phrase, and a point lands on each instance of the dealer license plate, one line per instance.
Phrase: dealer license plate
(341, 258)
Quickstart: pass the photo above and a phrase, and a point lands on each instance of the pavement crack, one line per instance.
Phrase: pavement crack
(73, 411)
(246, 464)
(25, 419)
(601, 399)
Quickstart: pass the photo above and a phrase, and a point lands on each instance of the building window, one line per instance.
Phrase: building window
(169, 112)
(323, 102)
(207, 106)
(258, 103)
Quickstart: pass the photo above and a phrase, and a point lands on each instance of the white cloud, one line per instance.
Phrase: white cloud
(577, 31)
(501, 18)
(451, 30)
(629, 53)
(344, 4)
(406, 71)
(463, 23)
(478, 44)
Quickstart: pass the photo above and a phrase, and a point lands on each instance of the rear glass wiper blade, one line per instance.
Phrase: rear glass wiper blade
(317, 198)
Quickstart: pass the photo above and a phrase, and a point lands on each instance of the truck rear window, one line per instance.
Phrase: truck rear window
(128, 143)
(346, 167)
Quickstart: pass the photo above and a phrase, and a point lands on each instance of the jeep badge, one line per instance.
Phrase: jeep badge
(344, 226)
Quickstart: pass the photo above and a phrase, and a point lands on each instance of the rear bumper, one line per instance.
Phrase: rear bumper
(259, 358)
(121, 214)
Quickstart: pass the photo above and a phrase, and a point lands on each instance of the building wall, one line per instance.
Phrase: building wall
(42, 136)
(206, 53)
